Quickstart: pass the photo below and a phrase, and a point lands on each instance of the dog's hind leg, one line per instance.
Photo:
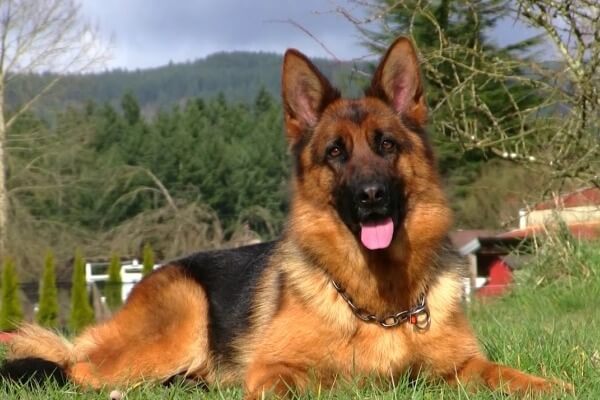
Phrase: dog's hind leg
(161, 331)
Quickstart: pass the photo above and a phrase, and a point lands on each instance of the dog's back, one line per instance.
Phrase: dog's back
(229, 278)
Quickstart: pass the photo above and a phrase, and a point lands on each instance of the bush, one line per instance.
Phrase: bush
(47, 314)
(11, 312)
(148, 259)
(82, 313)
(560, 257)
(114, 284)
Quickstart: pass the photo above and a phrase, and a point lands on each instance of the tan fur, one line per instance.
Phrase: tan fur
(301, 332)
(332, 343)
(35, 341)
(160, 332)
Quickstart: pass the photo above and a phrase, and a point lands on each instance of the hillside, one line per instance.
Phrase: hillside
(238, 75)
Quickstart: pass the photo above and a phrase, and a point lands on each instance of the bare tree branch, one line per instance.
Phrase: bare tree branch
(38, 36)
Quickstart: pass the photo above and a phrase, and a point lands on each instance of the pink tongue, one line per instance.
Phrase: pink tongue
(377, 235)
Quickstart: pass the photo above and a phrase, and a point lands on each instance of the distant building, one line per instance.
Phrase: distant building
(490, 262)
(490, 253)
(579, 210)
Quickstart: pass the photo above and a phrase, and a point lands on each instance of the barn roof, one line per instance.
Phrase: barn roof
(582, 197)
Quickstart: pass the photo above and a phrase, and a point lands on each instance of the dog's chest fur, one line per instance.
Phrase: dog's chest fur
(314, 326)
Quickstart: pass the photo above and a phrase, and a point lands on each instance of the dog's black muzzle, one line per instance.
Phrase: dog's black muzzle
(369, 201)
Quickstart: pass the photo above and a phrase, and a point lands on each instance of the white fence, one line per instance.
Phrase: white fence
(131, 273)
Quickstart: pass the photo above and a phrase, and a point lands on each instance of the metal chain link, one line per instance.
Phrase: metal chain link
(417, 315)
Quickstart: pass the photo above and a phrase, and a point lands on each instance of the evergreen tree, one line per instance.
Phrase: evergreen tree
(10, 310)
(263, 101)
(82, 313)
(47, 314)
(148, 259)
(131, 108)
(114, 284)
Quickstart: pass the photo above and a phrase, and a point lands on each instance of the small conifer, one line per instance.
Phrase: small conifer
(11, 312)
(148, 259)
(114, 284)
(82, 313)
(47, 314)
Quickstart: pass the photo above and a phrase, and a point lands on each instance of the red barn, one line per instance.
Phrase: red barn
(499, 279)
(491, 268)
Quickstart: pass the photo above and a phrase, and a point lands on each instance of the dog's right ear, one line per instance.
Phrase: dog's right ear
(305, 91)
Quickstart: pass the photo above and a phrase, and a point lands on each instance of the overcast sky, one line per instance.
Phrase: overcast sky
(150, 33)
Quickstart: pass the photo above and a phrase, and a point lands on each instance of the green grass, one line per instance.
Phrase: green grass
(551, 328)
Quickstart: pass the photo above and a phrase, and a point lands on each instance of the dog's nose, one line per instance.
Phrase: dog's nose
(372, 195)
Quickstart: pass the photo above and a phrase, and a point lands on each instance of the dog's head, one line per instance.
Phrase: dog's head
(366, 159)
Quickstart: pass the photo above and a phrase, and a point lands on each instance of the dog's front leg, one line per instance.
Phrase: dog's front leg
(274, 379)
(506, 379)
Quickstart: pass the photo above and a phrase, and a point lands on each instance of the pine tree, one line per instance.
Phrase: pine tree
(263, 101)
(131, 108)
(148, 259)
(10, 310)
(82, 313)
(47, 314)
(114, 284)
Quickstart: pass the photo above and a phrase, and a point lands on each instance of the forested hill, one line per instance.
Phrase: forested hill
(238, 75)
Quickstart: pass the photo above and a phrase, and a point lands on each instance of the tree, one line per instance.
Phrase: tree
(569, 132)
(114, 284)
(470, 86)
(263, 101)
(521, 102)
(10, 310)
(47, 314)
(148, 259)
(35, 36)
(131, 108)
(82, 313)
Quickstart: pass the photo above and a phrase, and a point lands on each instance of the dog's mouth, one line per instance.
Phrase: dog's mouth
(377, 228)
(373, 224)
(378, 234)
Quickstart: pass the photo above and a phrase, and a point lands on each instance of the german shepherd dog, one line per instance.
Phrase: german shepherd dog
(363, 282)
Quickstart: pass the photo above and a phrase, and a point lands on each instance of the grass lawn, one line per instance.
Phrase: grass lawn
(551, 329)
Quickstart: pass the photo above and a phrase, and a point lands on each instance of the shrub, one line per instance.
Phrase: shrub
(560, 257)
(148, 259)
(82, 313)
(114, 284)
(47, 314)
(11, 312)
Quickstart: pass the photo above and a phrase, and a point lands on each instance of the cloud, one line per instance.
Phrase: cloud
(149, 33)
(152, 32)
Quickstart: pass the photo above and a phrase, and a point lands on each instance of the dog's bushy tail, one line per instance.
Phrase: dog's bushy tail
(36, 355)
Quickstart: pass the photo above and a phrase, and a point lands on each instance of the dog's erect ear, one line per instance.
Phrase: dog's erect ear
(397, 80)
(306, 93)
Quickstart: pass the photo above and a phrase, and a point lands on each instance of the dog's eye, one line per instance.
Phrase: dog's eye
(334, 151)
(387, 145)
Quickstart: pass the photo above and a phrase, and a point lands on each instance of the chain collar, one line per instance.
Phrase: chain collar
(417, 315)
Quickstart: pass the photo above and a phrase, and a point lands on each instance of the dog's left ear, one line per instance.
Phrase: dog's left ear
(397, 81)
